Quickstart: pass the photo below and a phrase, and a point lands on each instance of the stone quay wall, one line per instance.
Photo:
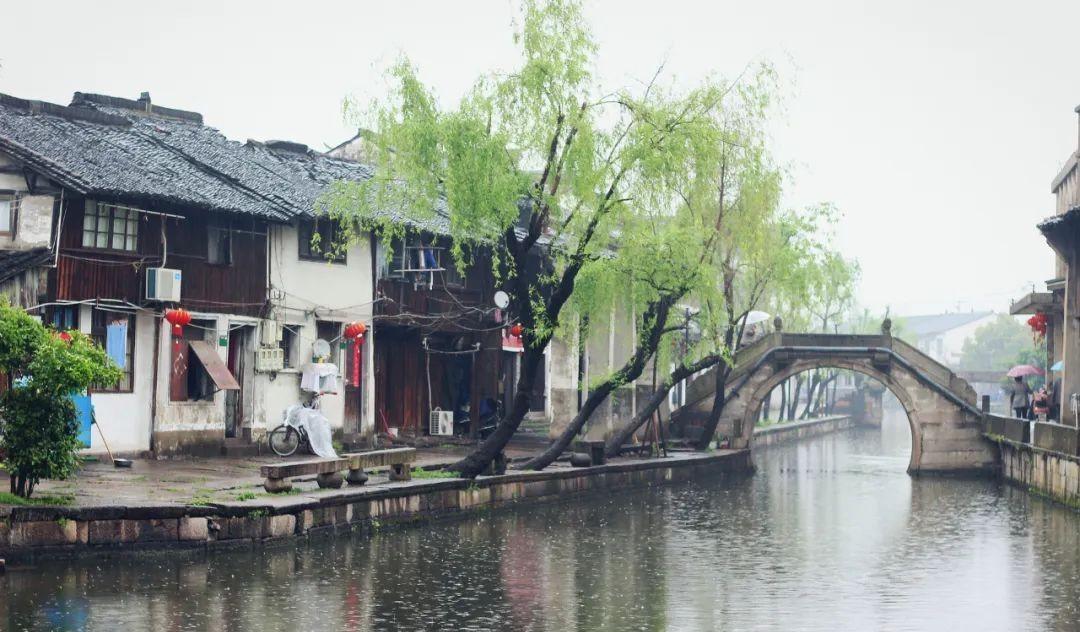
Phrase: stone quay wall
(795, 430)
(1044, 472)
(32, 532)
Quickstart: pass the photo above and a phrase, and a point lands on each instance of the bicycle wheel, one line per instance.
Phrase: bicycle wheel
(284, 440)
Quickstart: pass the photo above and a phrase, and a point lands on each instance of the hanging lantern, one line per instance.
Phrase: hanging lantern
(355, 330)
(516, 330)
(178, 317)
(1038, 326)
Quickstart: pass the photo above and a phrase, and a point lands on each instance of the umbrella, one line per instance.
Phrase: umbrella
(756, 316)
(1021, 370)
(1059, 365)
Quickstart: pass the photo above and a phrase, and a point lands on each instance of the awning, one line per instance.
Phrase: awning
(215, 368)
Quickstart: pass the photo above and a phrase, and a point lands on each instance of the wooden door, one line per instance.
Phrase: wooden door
(234, 399)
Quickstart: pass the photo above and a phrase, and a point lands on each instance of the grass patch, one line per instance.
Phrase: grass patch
(258, 513)
(419, 473)
(7, 498)
(242, 496)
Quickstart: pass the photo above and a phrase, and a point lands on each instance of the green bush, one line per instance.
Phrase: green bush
(38, 423)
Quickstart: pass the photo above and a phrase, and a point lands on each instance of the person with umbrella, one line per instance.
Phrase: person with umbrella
(1020, 397)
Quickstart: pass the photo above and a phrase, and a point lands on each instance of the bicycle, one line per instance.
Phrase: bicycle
(287, 439)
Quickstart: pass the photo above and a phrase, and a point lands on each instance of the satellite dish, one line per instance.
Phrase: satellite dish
(502, 299)
(321, 349)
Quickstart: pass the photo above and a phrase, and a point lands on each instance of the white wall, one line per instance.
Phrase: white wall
(303, 292)
(124, 418)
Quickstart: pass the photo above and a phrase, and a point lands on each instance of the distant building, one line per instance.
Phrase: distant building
(942, 336)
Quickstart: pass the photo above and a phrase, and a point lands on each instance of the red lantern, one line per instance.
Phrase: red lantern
(178, 317)
(1038, 326)
(355, 332)
(516, 330)
(65, 336)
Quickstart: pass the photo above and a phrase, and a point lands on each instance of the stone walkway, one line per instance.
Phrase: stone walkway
(197, 480)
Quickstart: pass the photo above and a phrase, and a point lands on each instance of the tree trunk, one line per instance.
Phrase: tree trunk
(766, 406)
(655, 317)
(623, 434)
(811, 395)
(783, 400)
(719, 401)
(478, 460)
(794, 404)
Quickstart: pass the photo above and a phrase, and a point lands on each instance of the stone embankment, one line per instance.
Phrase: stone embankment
(29, 532)
(795, 430)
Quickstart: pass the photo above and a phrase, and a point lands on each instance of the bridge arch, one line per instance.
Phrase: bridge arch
(946, 424)
(750, 408)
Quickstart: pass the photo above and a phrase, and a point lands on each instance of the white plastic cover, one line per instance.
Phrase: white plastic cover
(317, 426)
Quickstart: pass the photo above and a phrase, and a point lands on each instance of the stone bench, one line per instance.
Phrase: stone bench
(325, 471)
(594, 448)
(398, 459)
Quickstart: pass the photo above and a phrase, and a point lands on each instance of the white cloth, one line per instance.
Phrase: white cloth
(317, 426)
(319, 377)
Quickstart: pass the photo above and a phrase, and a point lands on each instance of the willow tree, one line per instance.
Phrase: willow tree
(719, 189)
(537, 155)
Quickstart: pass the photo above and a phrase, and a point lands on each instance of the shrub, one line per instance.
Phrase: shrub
(38, 423)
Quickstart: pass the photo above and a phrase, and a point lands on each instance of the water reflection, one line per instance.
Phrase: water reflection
(831, 534)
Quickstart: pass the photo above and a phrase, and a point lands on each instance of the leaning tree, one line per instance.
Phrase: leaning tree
(528, 158)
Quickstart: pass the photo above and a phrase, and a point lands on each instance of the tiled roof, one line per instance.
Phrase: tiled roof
(113, 147)
(930, 324)
(14, 262)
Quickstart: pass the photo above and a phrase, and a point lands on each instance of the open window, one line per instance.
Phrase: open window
(197, 370)
(290, 339)
(115, 332)
(318, 240)
(219, 248)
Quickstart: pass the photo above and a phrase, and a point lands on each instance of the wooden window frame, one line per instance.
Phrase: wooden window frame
(329, 233)
(98, 331)
(12, 198)
(225, 233)
(131, 218)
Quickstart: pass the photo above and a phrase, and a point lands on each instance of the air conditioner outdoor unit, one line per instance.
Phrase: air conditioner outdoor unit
(269, 359)
(270, 333)
(163, 284)
(442, 423)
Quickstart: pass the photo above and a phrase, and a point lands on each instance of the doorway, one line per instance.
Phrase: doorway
(235, 399)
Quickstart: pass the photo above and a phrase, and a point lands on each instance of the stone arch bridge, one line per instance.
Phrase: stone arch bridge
(946, 423)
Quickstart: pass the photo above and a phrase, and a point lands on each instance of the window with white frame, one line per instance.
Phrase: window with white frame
(7, 213)
(110, 227)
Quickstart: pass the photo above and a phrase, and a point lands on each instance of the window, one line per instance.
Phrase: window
(62, 317)
(7, 213)
(219, 248)
(453, 277)
(115, 332)
(318, 240)
(188, 380)
(289, 337)
(330, 332)
(110, 227)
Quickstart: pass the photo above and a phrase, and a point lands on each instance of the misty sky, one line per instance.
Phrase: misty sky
(936, 127)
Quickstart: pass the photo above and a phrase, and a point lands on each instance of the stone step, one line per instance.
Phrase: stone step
(240, 447)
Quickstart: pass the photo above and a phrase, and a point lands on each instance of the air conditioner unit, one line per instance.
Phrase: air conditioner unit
(442, 423)
(269, 359)
(163, 284)
(270, 334)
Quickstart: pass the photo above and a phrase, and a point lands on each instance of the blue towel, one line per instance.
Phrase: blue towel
(116, 342)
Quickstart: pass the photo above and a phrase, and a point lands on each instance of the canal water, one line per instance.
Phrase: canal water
(831, 534)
